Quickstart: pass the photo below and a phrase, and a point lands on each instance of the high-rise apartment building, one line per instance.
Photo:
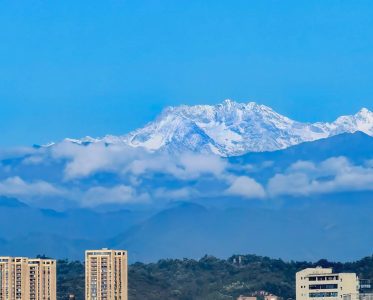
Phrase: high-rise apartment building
(24, 278)
(322, 284)
(106, 275)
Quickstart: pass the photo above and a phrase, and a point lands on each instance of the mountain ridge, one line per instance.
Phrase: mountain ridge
(230, 129)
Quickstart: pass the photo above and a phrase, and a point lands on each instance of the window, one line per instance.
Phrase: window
(312, 279)
(323, 294)
(323, 286)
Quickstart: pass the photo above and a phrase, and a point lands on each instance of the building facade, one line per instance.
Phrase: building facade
(322, 284)
(24, 278)
(106, 275)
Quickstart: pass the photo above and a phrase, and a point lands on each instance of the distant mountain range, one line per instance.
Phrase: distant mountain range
(331, 207)
(200, 179)
(231, 129)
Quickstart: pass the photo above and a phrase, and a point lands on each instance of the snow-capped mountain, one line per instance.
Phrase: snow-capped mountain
(230, 129)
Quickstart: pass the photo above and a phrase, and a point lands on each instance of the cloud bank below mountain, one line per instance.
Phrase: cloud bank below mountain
(189, 153)
(100, 174)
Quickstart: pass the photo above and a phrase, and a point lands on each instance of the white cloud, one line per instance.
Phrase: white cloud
(247, 187)
(302, 165)
(84, 161)
(141, 173)
(195, 165)
(121, 194)
(185, 166)
(17, 187)
(136, 169)
(34, 160)
(369, 163)
(298, 184)
(151, 164)
(10, 153)
(335, 174)
(87, 160)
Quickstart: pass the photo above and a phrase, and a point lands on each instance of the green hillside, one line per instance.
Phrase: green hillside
(209, 278)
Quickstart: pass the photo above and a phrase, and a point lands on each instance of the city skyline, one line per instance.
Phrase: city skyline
(106, 277)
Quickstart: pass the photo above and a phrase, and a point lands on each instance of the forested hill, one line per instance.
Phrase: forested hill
(209, 278)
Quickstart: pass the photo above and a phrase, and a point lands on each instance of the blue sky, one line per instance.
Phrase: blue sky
(75, 68)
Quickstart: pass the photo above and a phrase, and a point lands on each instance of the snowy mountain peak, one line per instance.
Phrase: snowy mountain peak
(365, 114)
(364, 111)
(361, 121)
(228, 103)
(86, 139)
(231, 128)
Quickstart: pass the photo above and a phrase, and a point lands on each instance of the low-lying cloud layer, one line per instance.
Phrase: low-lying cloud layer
(333, 175)
(99, 174)
(17, 187)
(246, 187)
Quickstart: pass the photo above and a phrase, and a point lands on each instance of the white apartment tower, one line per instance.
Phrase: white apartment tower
(106, 275)
(24, 278)
(322, 284)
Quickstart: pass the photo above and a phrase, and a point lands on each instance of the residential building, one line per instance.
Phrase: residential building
(321, 283)
(106, 275)
(24, 278)
(366, 296)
